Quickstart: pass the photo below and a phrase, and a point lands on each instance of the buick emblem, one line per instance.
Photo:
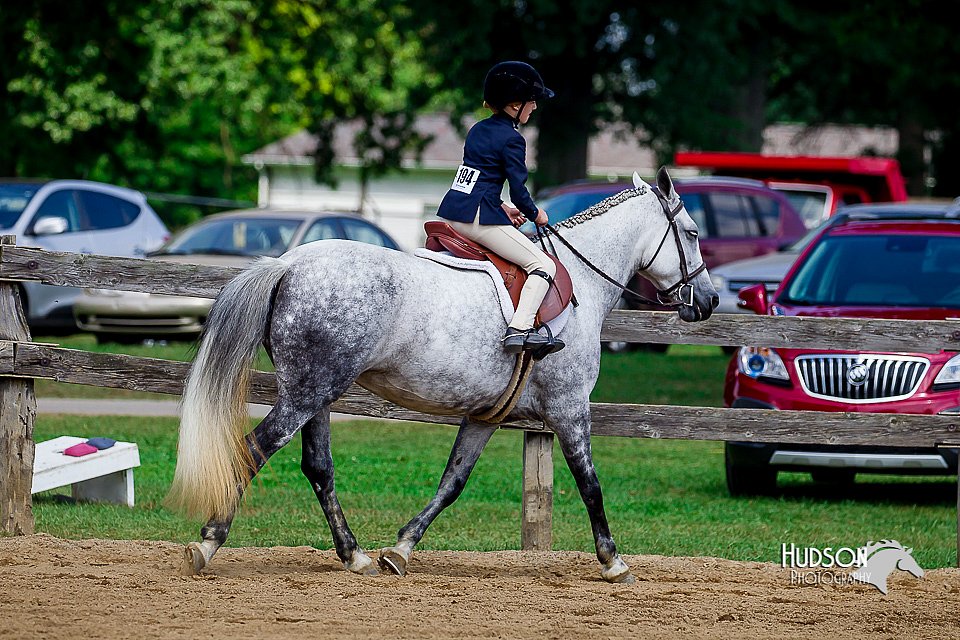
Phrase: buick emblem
(857, 374)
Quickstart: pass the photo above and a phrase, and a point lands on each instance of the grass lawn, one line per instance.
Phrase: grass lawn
(661, 497)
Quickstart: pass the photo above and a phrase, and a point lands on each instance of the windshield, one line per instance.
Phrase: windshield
(879, 270)
(562, 206)
(13, 200)
(809, 204)
(236, 237)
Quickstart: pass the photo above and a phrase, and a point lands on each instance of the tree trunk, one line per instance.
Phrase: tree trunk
(749, 110)
(565, 124)
(749, 105)
(911, 154)
(946, 165)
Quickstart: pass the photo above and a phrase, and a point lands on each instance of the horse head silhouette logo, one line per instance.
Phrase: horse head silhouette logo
(882, 558)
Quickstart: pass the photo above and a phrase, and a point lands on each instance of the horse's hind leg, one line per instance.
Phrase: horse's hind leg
(317, 466)
(471, 439)
(268, 437)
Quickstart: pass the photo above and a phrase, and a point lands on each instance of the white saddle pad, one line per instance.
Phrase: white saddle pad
(506, 304)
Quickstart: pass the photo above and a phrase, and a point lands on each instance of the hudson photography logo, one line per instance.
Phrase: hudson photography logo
(870, 564)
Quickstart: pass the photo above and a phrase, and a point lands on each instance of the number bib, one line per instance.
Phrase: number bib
(465, 179)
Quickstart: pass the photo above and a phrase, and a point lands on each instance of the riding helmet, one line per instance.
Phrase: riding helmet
(513, 81)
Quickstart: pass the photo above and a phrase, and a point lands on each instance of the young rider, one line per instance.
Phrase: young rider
(495, 152)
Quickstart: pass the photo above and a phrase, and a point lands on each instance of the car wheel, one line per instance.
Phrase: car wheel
(616, 347)
(842, 477)
(744, 480)
(654, 347)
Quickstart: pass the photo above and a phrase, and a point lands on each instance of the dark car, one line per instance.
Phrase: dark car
(738, 218)
(883, 267)
(232, 239)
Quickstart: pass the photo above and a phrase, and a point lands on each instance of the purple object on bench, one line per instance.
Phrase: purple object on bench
(101, 443)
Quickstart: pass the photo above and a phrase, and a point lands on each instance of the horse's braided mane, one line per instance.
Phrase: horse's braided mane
(602, 207)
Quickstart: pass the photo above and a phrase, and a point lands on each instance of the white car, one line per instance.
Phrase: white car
(76, 216)
(768, 270)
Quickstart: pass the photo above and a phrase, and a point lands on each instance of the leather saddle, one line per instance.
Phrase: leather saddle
(442, 237)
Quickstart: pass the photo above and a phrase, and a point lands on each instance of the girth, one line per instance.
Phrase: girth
(442, 237)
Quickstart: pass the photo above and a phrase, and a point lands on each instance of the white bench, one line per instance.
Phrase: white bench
(104, 476)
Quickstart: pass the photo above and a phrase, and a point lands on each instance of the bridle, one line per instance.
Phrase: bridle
(683, 285)
(683, 289)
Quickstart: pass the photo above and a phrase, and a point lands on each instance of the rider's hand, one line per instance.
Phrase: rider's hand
(516, 217)
(542, 218)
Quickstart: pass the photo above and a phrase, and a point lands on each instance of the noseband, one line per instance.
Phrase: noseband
(680, 289)
(683, 290)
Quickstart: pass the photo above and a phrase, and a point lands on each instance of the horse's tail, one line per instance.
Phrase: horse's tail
(213, 460)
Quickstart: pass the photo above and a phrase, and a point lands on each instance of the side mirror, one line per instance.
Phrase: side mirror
(50, 226)
(754, 298)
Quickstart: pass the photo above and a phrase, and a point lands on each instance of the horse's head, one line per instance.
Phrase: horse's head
(674, 265)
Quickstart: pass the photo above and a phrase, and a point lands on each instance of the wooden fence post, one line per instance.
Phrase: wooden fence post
(536, 530)
(18, 408)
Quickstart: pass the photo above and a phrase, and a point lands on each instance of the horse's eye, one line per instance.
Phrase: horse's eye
(693, 233)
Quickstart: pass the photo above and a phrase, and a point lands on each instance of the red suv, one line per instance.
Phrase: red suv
(859, 267)
(737, 218)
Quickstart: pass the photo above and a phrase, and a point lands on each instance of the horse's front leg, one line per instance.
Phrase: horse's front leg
(574, 437)
(471, 439)
(317, 466)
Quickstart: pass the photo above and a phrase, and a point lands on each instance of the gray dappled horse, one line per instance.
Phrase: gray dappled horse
(425, 337)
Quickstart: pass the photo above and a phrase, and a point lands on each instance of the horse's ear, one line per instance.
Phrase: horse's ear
(637, 180)
(665, 184)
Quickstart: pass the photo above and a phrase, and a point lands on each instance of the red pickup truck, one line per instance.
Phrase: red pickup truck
(815, 186)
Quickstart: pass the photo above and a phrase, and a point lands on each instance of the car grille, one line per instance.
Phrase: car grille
(861, 378)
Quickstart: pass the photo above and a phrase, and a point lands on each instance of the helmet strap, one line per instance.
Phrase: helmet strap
(516, 118)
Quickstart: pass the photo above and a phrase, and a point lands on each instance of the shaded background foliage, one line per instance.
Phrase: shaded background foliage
(167, 95)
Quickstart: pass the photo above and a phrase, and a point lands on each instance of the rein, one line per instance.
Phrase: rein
(683, 289)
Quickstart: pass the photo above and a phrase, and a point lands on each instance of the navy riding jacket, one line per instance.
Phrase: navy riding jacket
(494, 151)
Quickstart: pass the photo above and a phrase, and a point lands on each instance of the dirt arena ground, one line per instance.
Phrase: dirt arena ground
(53, 588)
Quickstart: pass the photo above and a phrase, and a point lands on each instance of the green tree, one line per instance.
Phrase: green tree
(346, 60)
(670, 73)
(158, 96)
(885, 62)
(69, 94)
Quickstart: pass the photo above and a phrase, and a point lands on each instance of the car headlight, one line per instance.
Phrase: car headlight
(719, 282)
(950, 374)
(759, 362)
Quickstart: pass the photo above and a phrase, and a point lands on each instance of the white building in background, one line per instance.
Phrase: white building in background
(402, 201)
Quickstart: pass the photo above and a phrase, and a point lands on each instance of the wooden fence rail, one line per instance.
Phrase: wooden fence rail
(22, 360)
(155, 276)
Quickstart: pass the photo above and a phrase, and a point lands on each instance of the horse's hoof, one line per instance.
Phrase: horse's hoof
(618, 573)
(362, 564)
(193, 560)
(393, 562)
(624, 578)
